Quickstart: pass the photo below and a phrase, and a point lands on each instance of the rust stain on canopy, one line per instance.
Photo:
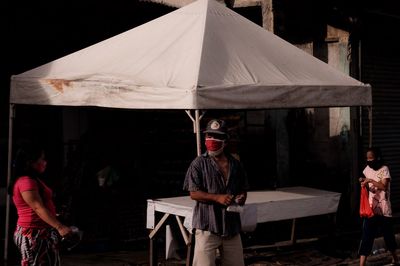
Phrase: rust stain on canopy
(59, 84)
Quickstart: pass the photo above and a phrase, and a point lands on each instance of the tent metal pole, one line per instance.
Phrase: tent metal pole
(370, 126)
(8, 198)
(196, 127)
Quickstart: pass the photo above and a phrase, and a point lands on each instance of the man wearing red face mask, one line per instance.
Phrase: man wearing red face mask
(38, 231)
(217, 182)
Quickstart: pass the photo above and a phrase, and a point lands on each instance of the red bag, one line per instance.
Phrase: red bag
(365, 208)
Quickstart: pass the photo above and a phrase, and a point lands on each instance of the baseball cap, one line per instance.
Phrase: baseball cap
(216, 126)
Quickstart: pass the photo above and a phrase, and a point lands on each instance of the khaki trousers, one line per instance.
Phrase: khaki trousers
(206, 245)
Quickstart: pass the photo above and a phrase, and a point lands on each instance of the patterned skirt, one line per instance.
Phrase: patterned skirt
(37, 246)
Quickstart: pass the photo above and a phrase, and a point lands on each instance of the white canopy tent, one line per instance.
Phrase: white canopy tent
(201, 56)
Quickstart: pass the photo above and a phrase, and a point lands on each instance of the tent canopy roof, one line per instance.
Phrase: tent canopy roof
(201, 56)
(181, 3)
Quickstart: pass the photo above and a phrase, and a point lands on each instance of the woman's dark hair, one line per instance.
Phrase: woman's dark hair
(25, 155)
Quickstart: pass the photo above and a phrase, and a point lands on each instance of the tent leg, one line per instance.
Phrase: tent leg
(370, 126)
(190, 250)
(153, 252)
(10, 137)
(196, 128)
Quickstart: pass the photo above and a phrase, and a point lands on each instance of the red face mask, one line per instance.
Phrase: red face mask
(214, 144)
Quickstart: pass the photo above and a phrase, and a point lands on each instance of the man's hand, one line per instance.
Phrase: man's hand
(224, 199)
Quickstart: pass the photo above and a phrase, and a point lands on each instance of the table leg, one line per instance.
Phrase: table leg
(189, 241)
(153, 242)
(332, 229)
(293, 234)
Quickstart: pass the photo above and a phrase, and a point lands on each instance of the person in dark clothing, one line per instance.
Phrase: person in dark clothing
(218, 183)
(377, 180)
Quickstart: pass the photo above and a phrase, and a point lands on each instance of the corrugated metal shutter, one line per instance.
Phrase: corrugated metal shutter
(381, 68)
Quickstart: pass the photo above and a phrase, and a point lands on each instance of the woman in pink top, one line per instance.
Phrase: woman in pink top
(377, 180)
(38, 231)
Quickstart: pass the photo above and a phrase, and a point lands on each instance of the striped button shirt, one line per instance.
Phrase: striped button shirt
(204, 174)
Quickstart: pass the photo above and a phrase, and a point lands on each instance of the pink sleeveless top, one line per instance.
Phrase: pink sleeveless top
(379, 200)
(26, 215)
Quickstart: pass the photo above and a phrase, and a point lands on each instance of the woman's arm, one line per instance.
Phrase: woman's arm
(33, 199)
(382, 184)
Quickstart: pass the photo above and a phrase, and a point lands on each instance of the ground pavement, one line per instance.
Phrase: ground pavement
(326, 252)
(302, 254)
(307, 255)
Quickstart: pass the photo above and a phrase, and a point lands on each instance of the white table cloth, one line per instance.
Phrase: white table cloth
(261, 206)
